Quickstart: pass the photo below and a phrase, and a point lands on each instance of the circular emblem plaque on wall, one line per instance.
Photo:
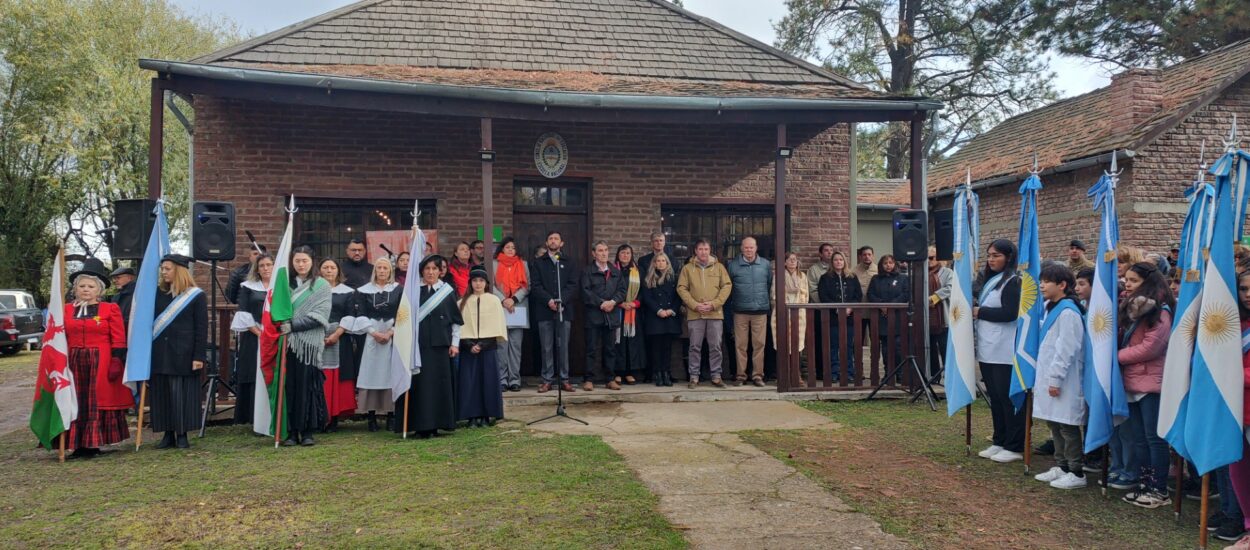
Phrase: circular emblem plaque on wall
(551, 155)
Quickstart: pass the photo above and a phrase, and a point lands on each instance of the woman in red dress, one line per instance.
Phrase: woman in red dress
(96, 336)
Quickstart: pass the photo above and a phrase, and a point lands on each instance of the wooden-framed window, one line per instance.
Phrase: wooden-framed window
(327, 225)
(723, 226)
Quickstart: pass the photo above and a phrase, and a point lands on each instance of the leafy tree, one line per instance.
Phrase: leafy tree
(74, 110)
(1134, 33)
(969, 55)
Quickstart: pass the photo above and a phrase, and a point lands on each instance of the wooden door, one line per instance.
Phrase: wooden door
(531, 230)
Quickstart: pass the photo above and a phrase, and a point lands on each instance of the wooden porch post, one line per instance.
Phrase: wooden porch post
(919, 281)
(782, 339)
(156, 139)
(488, 211)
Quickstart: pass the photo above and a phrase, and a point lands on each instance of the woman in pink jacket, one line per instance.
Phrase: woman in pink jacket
(1145, 326)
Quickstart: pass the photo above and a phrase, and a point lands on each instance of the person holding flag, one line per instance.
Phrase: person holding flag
(180, 332)
(304, 384)
(96, 336)
(1029, 324)
(432, 405)
(996, 314)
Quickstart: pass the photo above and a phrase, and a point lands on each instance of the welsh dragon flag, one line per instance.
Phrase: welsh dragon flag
(56, 403)
(273, 343)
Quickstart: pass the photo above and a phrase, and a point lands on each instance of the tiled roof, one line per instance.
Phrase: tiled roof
(590, 45)
(1094, 123)
(883, 192)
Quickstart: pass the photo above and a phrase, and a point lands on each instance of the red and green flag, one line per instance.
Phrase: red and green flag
(273, 343)
(56, 402)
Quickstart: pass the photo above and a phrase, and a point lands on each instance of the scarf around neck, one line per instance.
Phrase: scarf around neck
(629, 321)
(459, 275)
(310, 298)
(510, 274)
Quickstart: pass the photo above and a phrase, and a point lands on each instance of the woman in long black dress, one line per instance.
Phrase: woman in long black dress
(662, 308)
(178, 353)
(432, 405)
(246, 324)
(305, 385)
(479, 396)
(337, 362)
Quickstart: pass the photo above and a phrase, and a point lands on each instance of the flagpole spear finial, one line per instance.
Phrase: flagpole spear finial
(1034, 171)
(292, 209)
(1230, 144)
(1114, 172)
(1202, 163)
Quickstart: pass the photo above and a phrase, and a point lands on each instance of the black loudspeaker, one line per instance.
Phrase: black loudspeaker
(133, 220)
(212, 231)
(911, 235)
(944, 234)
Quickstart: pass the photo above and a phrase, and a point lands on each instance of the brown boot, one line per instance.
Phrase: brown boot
(544, 388)
(588, 386)
(613, 385)
(758, 381)
(567, 387)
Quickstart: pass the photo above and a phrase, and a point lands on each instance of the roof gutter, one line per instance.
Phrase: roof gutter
(578, 100)
(1105, 158)
(879, 206)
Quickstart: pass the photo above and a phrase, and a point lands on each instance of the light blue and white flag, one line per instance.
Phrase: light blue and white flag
(143, 308)
(961, 358)
(1195, 243)
(406, 357)
(1104, 389)
(1029, 324)
(1213, 415)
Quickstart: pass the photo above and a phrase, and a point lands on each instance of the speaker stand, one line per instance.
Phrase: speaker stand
(213, 368)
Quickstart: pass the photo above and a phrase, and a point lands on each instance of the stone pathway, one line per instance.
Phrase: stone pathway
(721, 491)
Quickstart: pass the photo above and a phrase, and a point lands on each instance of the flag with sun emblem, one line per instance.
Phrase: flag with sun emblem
(1104, 389)
(1195, 239)
(1213, 415)
(405, 357)
(1029, 324)
(961, 360)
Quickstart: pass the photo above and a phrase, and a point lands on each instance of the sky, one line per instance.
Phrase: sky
(751, 17)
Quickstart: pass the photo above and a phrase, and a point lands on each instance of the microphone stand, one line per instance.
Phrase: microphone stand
(555, 350)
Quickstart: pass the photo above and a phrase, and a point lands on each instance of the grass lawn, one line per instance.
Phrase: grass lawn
(482, 488)
(907, 467)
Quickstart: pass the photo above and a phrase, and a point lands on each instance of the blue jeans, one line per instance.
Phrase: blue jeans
(834, 356)
(1147, 449)
(1224, 484)
(1123, 464)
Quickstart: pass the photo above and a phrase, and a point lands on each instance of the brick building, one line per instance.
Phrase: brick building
(1155, 121)
(668, 121)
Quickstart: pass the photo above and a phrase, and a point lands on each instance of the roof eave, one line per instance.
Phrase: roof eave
(579, 100)
(1076, 164)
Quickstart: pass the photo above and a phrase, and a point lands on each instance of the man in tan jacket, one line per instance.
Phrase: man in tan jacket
(704, 287)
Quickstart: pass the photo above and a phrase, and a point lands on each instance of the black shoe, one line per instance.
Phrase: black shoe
(514, 387)
(307, 441)
(78, 453)
(1214, 521)
(1230, 530)
(332, 427)
(490, 421)
(183, 443)
(373, 422)
(167, 441)
(659, 379)
(1045, 449)
(668, 379)
(390, 422)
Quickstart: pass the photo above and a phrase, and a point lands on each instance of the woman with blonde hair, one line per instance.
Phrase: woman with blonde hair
(95, 336)
(246, 324)
(661, 308)
(796, 293)
(379, 302)
(178, 352)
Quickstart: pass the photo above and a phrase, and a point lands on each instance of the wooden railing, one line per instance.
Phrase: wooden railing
(225, 343)
(870, 366)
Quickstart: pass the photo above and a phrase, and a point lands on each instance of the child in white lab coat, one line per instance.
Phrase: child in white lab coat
(1057, 394)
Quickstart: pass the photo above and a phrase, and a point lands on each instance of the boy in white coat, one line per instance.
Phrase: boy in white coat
(1058, 397)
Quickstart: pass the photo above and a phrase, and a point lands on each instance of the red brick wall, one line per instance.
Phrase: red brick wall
(1150, 198)
(254, 153)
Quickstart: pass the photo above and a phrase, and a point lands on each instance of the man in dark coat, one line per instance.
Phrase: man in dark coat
(553, 285)
(357, 271)
(123, 279)
(240, 273)
(602, 289)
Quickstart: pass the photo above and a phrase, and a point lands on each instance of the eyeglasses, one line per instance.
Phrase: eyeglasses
(932, 258)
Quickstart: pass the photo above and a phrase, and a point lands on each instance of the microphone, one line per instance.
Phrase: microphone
(388, 251)
(107, 230)
(252, 238)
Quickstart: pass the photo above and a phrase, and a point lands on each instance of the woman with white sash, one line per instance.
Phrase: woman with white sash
(997, 308)
(246, 325)
(379, 301)
(178, 353)
(432, 405)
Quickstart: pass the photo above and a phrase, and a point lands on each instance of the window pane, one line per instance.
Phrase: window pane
(724, 228)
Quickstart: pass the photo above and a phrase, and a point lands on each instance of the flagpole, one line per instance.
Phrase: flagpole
(1202, 529)
(407, 394)
(62, 453)
(143, 398)
(277, 429)
(1180, 479)
(1028, 429)
(968, 429)
(1106, 468)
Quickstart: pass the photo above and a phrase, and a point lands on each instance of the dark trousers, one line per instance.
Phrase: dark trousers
(1008, 424)
(600, 338)
(660, 353)
(937, 352)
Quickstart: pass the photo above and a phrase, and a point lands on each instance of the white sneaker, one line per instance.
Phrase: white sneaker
(990, 451)
(1069, 480)
(1050, 475)
(1005, 456)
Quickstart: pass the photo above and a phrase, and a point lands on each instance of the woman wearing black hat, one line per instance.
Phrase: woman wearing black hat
(96, 338)
(432, 405)
(479, 395)
(181, 319)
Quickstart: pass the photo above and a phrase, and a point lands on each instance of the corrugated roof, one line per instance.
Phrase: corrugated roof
(1093, 123)
(568, 44)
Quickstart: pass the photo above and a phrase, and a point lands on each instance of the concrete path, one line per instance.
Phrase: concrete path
(723, 492)
(679, 393)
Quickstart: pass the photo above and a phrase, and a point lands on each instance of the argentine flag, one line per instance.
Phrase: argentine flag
(143, 308)
(961, 359)
(1029, 324)
(1195, 241)
(1213, 429)
(1104, 389)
